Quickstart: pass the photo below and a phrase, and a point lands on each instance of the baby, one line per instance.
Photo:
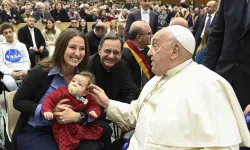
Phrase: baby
(69, 136)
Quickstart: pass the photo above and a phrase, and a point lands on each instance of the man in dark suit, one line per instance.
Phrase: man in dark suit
(94, 36)
(144, 14)
(228, 48)
(112, 76)
(136, 46)
(41, 15)
(34, 41)
(172, 13)
(204, 22)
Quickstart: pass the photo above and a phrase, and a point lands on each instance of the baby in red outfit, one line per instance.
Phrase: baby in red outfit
(69, 136)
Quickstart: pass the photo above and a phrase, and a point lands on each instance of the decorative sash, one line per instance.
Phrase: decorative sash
(140, 57)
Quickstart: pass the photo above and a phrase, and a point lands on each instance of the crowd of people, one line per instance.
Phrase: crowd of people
(175, 76)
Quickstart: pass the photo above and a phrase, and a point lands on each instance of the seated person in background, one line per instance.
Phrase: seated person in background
(121, 31)
(59, 14)
(73, 23)
(34, 41)
(41, 15)
(73, 13)
(9, 14)
(3, 39)
(94, 36)
(26, 14)
(83, 26)
(201, 49)
(70, 135)
(50, 34)
(14, 58)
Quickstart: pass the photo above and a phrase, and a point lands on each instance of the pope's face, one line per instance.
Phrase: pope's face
(160, 53)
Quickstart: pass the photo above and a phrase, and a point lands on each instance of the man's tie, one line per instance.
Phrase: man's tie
(208, 22)
(246, 20)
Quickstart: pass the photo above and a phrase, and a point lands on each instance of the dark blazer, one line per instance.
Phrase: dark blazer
(13, 14)
(46, 15)
(170, 16)
(134, 68)
(93, 41)
(62, 16)
(122, 87)
(199, 25)
(136, 15)
(228, 48)
(24, 36)
(27, 97)
(86, 17)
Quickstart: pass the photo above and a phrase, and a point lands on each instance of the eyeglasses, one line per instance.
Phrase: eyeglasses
(74, 22)
(149, 33)
(109, 51)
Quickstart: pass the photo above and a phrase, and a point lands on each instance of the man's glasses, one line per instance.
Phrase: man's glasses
(149, 33)
(109, 51)
(74, 22)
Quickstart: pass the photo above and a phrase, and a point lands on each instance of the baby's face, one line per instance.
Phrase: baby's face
(79, 84)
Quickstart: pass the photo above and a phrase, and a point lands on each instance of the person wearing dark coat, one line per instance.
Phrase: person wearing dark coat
(112, 76)
(9, 15)
(228, 48)
(94, 36)
(204, 22)
(59, 14)
(85, 15)
(137, 46)
(144, 14)
(34, 41)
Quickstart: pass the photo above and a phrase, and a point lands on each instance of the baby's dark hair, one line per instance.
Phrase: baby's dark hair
(88, 74)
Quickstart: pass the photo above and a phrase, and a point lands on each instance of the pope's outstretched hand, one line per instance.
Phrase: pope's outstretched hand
(99, 95)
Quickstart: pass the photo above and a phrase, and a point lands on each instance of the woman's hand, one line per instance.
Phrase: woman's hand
(58, 105)
(67, 115)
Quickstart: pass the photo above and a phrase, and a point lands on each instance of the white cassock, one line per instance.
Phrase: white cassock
(194, 108)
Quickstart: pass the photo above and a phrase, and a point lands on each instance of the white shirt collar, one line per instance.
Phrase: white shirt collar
(145, 11)
(211, 14)
(31, 29)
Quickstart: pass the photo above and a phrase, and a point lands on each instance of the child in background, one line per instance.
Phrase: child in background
(202, 48)
(69, 136)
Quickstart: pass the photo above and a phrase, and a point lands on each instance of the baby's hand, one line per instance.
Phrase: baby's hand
(48, 115)
(93, 114)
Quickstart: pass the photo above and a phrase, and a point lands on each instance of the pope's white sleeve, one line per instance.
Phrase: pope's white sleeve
(123, 112)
